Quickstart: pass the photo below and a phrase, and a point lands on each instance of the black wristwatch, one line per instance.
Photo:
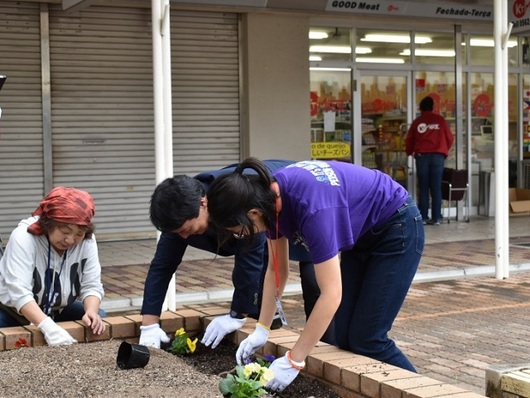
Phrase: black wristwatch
(237, 315)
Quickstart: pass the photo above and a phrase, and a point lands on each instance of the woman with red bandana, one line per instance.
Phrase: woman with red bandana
(50, 271)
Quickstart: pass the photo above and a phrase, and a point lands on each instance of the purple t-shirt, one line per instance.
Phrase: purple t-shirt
(327, 206)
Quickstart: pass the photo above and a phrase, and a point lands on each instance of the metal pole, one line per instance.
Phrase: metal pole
(163, 108)
(501, 32)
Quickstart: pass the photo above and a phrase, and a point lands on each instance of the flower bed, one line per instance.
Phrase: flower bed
(347, 374)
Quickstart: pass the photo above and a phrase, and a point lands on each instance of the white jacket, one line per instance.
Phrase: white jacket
(24, 263)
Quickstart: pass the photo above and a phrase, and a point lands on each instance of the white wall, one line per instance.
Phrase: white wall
(275, 117)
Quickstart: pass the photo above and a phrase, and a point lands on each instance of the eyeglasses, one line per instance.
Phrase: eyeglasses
(240, 234)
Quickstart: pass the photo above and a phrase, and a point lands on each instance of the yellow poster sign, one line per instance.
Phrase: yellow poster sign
(330, 150)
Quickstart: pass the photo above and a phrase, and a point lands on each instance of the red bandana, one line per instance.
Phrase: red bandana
(66, 205)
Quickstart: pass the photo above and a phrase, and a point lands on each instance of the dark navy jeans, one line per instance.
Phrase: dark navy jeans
(376, 276)
(430, 169)
(72, 312)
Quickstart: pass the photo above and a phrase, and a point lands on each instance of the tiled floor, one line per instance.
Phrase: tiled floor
(454, 324)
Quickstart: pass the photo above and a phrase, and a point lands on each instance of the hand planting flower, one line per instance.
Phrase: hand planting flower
(248, 380)
(182, 344)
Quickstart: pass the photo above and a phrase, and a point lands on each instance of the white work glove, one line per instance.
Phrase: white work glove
(252, 343)
(219, 328)
(284, 373)
(54, 334)
(152, 336)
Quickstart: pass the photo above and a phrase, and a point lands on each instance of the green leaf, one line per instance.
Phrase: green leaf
(225, 386)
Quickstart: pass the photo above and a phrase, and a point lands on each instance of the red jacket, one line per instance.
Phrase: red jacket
(429, 133)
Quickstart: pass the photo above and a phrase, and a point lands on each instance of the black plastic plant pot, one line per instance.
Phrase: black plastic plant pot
(132, 356)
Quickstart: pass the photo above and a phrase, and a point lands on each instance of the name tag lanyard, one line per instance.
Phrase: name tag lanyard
(277, 297)
(49, 280)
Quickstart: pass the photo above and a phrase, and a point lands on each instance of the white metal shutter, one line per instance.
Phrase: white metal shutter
(102, 113)
(205, 74)
(21, 156)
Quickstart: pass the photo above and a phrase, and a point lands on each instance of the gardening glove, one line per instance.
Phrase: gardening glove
(285, 371)
(152, 335)
(54, 334)
(219, 328)
(252, 343)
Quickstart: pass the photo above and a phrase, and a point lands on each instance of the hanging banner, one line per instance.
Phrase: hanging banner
(413, 9)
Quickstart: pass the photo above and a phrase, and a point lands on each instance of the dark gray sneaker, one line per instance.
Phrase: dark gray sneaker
(431, 222)
(276, 322)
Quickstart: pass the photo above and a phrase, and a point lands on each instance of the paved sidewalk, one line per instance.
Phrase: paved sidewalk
(456, 321)
(452, 250)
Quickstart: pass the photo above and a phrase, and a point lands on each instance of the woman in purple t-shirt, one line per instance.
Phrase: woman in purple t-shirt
(365, 236)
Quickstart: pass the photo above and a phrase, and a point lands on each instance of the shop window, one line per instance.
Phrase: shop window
(329, 44)
(439, 49)
(383, 47)
(482, 50)
(331, 115)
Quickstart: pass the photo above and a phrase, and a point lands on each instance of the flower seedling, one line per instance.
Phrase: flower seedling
(182, 344)
(248, 381)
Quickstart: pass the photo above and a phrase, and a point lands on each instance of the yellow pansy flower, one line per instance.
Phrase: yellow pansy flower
(180, 332)
(192, 345)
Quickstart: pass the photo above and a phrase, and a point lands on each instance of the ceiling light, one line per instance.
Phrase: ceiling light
(331, 69)
(362, 50)
(425, 52)
(489, 43)
(339, 49)
(315, 58)
(330, 49)
(318, 35)
(380, 60)
(387, 38)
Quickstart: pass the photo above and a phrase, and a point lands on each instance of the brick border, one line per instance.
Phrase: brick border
(349, 375)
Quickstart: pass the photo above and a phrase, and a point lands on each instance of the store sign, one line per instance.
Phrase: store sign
(330, 150)
(413, 9)
(519, 15)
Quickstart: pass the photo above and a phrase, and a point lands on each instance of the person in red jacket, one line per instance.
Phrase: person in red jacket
(429, 139)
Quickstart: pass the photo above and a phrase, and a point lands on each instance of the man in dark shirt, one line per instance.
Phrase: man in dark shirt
(178, 209)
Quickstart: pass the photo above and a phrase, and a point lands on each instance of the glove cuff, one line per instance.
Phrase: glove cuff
(150, 327)
(237, 315)
(45, 325)
(261, 325)
(294, 364)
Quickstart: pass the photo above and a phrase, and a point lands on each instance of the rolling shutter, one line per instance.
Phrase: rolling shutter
(102, 107)
(21, 153)
(205, 74)
(102, 113)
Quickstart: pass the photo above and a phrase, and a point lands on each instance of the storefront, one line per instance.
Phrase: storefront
(78, 102)
(370, 82)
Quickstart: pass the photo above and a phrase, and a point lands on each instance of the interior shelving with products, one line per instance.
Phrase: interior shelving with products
(384, 144)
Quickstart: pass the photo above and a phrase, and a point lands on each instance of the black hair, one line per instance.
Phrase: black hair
(427, 104)
(175, 201)
(232, 195)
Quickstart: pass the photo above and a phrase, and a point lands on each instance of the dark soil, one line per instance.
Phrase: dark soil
(222, 359)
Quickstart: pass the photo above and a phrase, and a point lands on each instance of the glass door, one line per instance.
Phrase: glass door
(384, 101)
(331, 116)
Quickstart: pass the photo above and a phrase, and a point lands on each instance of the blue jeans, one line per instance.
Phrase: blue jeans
(376, 276)
(430, 169)
(72, 312)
